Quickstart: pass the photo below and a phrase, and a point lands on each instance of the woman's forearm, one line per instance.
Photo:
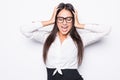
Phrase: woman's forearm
(46, 23)
(80, 26)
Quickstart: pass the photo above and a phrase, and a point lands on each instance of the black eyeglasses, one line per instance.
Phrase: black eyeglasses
(67, 19)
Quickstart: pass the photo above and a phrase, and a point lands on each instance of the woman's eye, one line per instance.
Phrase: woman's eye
(69, 19)
(60, 19)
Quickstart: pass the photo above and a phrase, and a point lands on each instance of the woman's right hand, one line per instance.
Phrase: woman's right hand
(52, 20)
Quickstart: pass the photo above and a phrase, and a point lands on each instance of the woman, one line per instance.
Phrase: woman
(64, 41)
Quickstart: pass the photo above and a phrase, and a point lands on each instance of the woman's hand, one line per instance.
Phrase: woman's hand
(52, 20)
(77, 24)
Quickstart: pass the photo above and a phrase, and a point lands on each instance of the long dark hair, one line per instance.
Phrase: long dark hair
(73, 33)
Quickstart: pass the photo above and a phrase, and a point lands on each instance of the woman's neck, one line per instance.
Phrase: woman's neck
(62, 36)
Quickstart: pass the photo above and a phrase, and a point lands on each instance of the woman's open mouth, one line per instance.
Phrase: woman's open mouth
(64, 28)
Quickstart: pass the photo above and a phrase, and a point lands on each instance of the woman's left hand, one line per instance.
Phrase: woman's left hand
(77, 23)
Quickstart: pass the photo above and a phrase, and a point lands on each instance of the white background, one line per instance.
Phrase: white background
(21, 58)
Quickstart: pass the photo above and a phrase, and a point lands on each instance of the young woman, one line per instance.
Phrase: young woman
(64, 40)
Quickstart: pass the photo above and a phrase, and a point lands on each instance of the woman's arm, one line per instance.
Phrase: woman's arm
(90, 33)
(93, 32)
(37, 30)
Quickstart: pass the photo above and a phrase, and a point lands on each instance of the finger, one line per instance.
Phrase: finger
(55, 9)
(76, 11)
(73, 13)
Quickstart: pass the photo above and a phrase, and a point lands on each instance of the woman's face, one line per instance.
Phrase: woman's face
(64, 21)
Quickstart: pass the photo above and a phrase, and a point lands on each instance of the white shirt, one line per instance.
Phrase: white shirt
(64, 56)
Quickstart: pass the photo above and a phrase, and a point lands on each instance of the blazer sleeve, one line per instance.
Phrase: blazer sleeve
(93, 32)
(36, 31)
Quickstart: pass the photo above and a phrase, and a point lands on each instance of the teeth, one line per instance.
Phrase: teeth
(65, 27)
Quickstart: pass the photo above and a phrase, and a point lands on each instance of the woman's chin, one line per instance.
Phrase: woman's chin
(64, 32)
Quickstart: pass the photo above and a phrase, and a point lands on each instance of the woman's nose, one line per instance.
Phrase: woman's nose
(64, 21)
